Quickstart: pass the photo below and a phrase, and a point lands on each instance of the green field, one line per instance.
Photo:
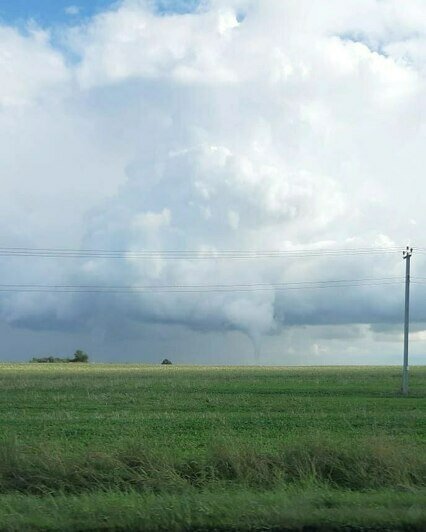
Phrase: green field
(194, 448)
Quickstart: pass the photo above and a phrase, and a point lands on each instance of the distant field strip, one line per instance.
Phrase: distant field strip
(134, 437)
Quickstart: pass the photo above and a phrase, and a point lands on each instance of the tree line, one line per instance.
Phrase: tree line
(79, 357)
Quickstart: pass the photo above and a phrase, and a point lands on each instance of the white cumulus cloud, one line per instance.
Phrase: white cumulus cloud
(257, 124)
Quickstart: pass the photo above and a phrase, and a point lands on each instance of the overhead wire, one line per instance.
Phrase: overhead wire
(188, 254)
(194, 255)
(255, 287)
(365, 279)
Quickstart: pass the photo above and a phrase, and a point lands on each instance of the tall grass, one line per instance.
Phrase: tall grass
(358, 465)
(287, 510)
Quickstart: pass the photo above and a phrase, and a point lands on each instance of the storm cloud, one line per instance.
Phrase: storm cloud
(242, 125)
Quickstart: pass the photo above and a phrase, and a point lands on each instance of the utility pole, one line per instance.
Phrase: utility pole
(407, 257)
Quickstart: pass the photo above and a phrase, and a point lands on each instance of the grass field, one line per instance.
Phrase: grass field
(170, 448)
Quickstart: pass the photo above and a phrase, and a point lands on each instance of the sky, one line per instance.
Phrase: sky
(49, 13)
(201, 127)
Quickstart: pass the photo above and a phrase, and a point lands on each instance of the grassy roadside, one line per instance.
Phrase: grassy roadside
(356, 464)
(362, 485)
(284, 509)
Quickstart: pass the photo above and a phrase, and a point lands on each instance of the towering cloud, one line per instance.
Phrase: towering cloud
(244, 125)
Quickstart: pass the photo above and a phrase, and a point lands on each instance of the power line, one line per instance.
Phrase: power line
(190, 288)
(188, 254)
(231, 285)
(322, 281)
(73, 250)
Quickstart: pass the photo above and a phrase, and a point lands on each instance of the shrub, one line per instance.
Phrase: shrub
(166, 362)
(80, 356)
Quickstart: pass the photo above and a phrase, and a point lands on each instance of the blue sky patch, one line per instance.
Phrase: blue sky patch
(48, 12)
(52, 12)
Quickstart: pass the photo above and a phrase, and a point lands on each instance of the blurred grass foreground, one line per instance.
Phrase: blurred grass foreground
(136, 447)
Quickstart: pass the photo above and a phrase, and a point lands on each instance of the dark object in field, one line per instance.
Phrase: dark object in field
(166, 362)
(79, 356)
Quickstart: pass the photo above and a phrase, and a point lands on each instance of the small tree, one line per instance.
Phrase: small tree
(166, 362)
(80, 356)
